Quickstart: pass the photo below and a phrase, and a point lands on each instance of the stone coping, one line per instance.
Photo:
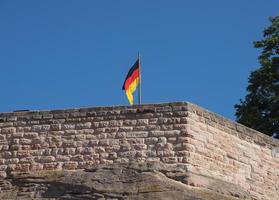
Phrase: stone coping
(210, 118)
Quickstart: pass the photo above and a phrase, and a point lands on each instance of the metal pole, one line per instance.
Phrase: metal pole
(139, 89)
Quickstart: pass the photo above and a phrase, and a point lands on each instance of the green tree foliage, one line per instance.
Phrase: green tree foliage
(260, 108)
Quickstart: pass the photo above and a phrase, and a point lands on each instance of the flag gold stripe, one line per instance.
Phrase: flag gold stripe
(131, 89)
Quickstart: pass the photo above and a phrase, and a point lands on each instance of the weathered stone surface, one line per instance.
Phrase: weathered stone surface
(174, 133)
(118, 181)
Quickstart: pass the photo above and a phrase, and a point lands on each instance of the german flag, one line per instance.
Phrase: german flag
(132, 81)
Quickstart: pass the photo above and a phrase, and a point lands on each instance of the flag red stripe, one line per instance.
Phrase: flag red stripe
(130, 79)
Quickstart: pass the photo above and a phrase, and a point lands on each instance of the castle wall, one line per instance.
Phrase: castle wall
(174, 133)
(232, 152)
(78, 138)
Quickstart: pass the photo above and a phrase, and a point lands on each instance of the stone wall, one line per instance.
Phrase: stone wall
(232, 152)
(180, 134)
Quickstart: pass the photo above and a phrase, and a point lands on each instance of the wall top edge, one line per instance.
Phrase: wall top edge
(232, 127)
(97, 108)
(211, 118)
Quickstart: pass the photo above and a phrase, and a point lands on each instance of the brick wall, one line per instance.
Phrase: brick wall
(174, 133)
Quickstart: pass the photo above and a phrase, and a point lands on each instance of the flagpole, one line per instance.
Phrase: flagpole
(139, 90)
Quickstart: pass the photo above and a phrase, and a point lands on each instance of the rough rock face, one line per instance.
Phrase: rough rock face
(118, 182)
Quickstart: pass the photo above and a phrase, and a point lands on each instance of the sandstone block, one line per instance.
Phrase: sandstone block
(80, 137)
(128, 154)
(179, 126)
(93, 143)
(88, 150)
(47, 116)
(115, 123)
(11, 161)
(150, 153)
(4, 147)
(129, 122)
(154, 159)
(108, 142)
(156, 133)
(69, 143)
(33, 122)
(125, 128)
(85, 164)
(172, 140)
(68, 126)
(29, 135)
(69, 151)
(113, 148)
(100, 150)
(95, 124)
(162, 140)
(6, 124)
(125, 147)
(3, 174)
(22, 154)
(172, 133)
(153, 127)
(17, 135)
(51, 166)
(121, 160)
(45, 159)
(36, 116)
(36, 166)
(151, 140)
(77, 158)
(8, 130)
(104, 155)
(183, 153)
(27, 160)
(166, 153)
(85, 150)
(78, 114)
(153, 121)
(86, 125)
(61, 115)
(71, 165)
(139, 146)
(91, 157)
(25, 141)
(142, 122)
(111, 130)
(103, 124)
(6, 154)
(45, 127)
(120, 135)
(139, 128)
(140, 134)
(63, 158)
(112, 155)
(100, 131)
(105, 161)
(169, 159)
(135, 140)
(15, 141)
(55, 127)
(2, 137)
(24, 129)
(3, 167)
(11, 119)
(70, 132)
(91, 137)
(85, 131)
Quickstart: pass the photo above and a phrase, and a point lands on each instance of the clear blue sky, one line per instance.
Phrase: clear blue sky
(67, 54)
